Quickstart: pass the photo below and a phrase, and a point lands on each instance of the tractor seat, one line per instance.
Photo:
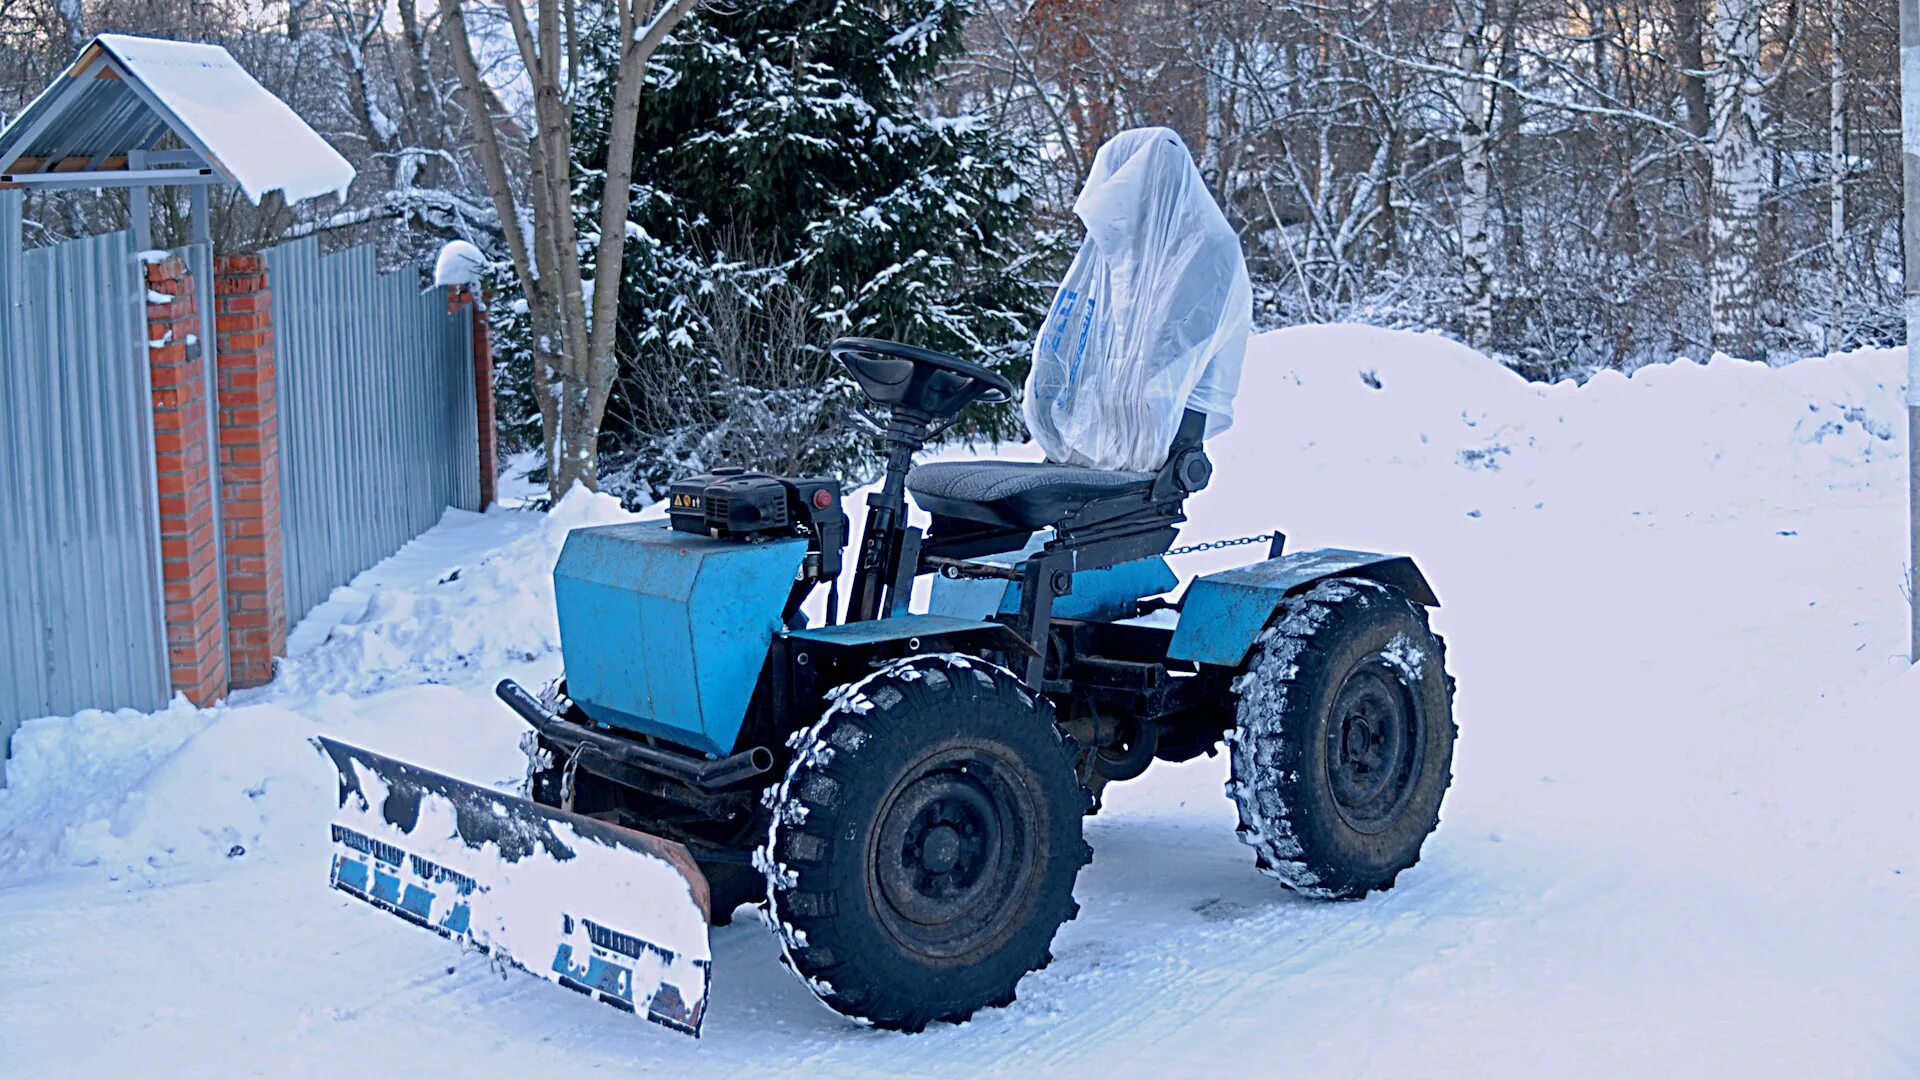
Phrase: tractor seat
(1024, 494)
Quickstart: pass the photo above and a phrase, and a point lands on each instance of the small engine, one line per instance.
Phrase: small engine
(731, 503)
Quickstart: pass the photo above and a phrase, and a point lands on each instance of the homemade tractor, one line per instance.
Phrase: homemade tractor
(904, 790)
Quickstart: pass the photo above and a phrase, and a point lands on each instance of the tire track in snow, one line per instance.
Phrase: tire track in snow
(1250, 960)
(1110, 985)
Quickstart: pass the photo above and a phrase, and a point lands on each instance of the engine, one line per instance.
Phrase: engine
(731, 503)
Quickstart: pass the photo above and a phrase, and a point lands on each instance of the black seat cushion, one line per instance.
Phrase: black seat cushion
(1024, 494)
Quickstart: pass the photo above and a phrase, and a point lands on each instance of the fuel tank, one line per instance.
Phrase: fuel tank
(665, 633)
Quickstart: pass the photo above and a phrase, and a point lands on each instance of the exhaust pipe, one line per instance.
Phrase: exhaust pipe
(707, 775)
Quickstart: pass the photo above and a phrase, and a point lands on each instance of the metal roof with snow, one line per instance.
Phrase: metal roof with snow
(106, 122)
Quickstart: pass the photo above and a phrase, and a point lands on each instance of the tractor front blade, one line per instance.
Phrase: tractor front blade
(610, 912)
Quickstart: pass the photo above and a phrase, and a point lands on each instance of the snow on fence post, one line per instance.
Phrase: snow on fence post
(1910, 161)
(249, 470)
(183, 464)
(459, 296)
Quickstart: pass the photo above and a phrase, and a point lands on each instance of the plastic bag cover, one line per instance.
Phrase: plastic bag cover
(1151, 319)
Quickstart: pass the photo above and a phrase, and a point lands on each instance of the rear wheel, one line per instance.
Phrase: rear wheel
(924, 843)
(1342, 747)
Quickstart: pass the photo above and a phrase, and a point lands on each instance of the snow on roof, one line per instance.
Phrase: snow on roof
(261, 142)
(126, 93)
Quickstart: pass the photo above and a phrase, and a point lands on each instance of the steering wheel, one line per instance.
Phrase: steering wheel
(900, 375)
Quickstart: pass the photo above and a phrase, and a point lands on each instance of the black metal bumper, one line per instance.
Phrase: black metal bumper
(634, 763)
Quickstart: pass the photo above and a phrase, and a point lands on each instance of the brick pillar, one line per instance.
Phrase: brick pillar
(250, 470)
(196, 632)
(459, 296)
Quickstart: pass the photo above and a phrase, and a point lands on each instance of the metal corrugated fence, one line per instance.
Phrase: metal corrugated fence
(81, 609)
(377, 424)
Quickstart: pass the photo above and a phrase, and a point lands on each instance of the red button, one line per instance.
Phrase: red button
(822, 499)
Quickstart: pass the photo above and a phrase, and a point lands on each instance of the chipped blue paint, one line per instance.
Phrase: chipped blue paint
(417, 901)
(1222, 614)
(350, 873)
(414, 889)
(386, 887)
(597, 974)
(665, 632)
(458, 919)
(429, 895)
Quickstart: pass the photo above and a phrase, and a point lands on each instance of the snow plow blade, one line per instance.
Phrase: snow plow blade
(609, 912)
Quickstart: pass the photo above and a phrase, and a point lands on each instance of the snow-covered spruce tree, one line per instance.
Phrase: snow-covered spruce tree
(790, 156)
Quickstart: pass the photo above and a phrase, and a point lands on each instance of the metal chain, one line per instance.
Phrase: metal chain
(1214, 545)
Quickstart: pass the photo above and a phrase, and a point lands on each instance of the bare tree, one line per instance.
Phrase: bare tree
(1837, 172)
(574, 361)
(1475, 100)
(1661, 177)
(1735, 86)
(1572, 183)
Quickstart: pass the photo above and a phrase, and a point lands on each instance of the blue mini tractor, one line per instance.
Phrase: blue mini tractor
(904, 790)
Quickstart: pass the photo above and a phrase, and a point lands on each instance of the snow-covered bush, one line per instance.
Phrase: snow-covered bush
(759, 391)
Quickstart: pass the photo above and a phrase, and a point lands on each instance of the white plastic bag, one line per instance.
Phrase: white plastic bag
(1151, 319)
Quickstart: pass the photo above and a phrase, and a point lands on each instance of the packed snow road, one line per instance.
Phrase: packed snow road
(1682, 836)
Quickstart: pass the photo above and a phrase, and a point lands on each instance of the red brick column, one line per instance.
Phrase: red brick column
(196, 631)
(459, 296)
(250, 470)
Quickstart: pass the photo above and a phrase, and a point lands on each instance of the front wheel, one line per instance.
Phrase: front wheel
(924, 843)
(1342, 746)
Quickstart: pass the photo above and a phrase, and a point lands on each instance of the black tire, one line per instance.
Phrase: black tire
(924, 843)
(1342, 748)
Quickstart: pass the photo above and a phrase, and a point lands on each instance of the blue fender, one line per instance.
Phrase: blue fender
(1222, 614)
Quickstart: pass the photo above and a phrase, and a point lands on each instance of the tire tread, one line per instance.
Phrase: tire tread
(1292, 650)
(802, 834)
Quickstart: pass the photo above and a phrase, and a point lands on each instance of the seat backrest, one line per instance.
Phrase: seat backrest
(1151, 319)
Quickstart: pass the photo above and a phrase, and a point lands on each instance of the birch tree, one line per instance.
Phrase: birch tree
(1474, 99)
(573, 325)
(1739, 179)
(1837, 172)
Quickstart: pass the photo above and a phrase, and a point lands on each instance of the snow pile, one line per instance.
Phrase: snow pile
(1679, 837)
(496, 611)
(1343, 410)
(459, 263)
(186, 790)
(149, 795)
(81, 767)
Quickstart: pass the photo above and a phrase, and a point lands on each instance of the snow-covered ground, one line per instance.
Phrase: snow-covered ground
(1682, 839)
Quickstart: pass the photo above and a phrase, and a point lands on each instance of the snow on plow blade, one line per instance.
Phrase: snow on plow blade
(610, 912)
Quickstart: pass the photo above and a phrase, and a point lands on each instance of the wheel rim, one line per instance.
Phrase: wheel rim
(1373, 746)
(952, 857)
